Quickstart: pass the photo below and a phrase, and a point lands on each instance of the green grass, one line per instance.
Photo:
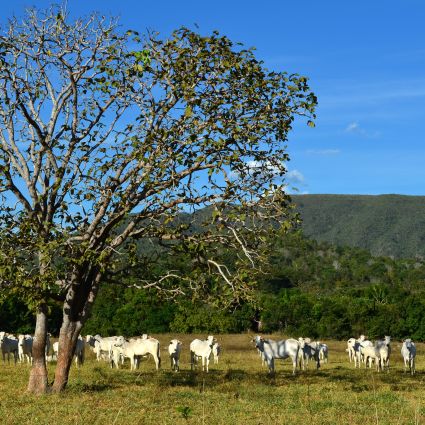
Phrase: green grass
(236, 391)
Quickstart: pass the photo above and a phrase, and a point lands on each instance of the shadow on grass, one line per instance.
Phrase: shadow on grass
(100, 379)
(96, 387)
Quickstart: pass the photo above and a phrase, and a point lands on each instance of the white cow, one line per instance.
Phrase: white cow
(279, 350)
(383, 350)
(370, 355)
(216, 351)
(354, 349)
(201, 349)
(135, 349)
(359, 348)
(25, 348)
(256, 341)
(379, 353)
(309, 350)
(102, 346)
(408, 352)
(8, 345)
(352, 344)
(174, 350)
(324, 352)
(80, 351)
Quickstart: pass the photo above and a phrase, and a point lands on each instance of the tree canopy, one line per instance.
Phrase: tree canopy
(105, 137)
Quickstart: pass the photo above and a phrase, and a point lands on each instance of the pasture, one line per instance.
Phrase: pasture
(236, 391)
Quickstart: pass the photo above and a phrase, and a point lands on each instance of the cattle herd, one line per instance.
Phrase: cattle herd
(116, 349)
(359, 350)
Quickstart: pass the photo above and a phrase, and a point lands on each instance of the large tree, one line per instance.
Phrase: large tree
(107, 137)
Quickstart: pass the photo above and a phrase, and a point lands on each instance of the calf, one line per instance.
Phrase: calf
(309, 350)
(323, 352)
(216, 351)
(174, 350)
(370, 355)
(25, 348)
(408, 352)
(383, 350)
(202, 349)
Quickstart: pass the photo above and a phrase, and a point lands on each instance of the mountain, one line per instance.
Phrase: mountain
(391, 225)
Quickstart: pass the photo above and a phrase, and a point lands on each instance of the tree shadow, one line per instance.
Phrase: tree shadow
(96, 387)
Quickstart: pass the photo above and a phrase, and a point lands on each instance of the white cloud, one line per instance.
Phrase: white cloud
(295, 177)
(257, 165)
(355, 128)
(352, 127)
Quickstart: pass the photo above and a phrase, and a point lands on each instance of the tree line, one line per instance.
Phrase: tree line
(312, 289)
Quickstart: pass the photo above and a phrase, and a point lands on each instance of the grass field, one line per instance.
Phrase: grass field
(236, 391)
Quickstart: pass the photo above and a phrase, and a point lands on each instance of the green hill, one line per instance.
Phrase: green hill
(392, 225)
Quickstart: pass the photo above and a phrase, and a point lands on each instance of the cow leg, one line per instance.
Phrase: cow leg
(294, 364)
(270, 365)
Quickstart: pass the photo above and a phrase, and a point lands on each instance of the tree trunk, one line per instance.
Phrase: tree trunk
(38, 381)
(67, 342)
(76, 310)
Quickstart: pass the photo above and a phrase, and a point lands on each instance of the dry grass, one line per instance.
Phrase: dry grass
(237, 391)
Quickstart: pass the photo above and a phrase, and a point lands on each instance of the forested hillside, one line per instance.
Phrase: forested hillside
(317, 284)
(391, 225)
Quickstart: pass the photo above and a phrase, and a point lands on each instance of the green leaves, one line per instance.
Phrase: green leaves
(188, 111)
(147, 130)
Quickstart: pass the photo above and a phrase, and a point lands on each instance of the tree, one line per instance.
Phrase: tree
(108, 137)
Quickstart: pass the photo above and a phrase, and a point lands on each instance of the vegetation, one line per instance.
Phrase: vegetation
(106, 137)
(385, 225)
(313, 289)
(237, 390)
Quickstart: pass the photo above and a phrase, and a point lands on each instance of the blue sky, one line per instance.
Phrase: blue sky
(365, 61)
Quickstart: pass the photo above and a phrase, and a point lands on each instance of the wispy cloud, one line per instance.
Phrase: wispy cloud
(352, 127)
(355, 128)
(258, 166)
(261, 167)
(295, 177)
(295, 182)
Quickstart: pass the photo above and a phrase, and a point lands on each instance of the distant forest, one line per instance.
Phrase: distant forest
(315, 288)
